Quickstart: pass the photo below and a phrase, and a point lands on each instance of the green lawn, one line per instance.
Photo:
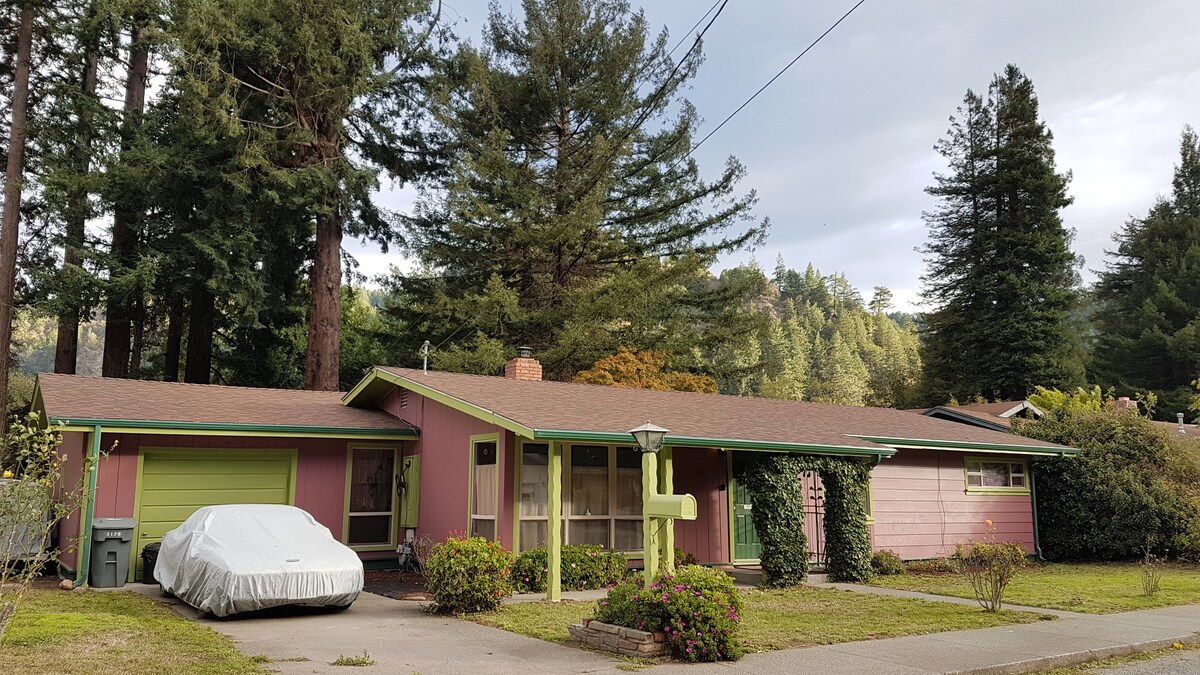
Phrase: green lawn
(779, 619)
(1091, 588)
(72, 633)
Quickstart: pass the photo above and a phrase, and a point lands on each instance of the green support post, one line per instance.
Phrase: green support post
(666, 486)
(554, 524)
(649, 525)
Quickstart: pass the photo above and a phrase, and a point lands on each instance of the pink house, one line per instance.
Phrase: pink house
(411, 453)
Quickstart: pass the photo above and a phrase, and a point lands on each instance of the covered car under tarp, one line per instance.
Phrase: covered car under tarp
(243, 557)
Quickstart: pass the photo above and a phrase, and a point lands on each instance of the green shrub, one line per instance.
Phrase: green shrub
(847, 540)
(696, 607)
(468, 574)
(886, 563)
(584, 567)
(683, 558)
(989, 568)
(1131, 480)
(773, 481)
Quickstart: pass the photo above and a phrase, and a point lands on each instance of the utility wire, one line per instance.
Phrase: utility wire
(693, 28)
(772, 80)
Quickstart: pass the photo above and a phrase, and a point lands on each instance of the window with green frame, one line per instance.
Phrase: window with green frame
(370, 519)
(997, 474)
(602, 496)
(484, 487)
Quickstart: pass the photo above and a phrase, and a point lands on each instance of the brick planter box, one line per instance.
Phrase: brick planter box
(625, 641)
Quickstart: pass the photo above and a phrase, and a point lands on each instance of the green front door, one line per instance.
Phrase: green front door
(745, 538)
(174, 483)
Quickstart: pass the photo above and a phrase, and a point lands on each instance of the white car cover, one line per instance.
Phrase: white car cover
(242, 557)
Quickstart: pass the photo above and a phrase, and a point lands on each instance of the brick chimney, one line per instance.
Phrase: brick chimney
(1124, 403)
(524, 366)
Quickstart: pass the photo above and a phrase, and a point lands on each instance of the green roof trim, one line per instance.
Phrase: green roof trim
(697, 442)
(1013, 448)
(281, 429)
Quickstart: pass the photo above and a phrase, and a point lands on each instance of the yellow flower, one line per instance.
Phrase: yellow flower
(8, 474)
(1178, 645)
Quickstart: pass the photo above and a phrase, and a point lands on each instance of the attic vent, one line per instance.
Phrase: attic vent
(403, 399)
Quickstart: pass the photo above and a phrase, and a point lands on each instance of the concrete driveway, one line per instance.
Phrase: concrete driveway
(398, 635)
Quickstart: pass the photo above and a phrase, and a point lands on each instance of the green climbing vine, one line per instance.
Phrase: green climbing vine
(773, 481)
(778, 514)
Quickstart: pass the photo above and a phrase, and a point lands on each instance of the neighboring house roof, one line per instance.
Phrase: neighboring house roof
(1173, 427)
(114, 403)
(1001, 408)
(584, 412)
(963, 415)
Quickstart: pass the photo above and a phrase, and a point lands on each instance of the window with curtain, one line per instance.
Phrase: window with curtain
(484, 486)
(372, 495)
(535, 489)
(986, 474)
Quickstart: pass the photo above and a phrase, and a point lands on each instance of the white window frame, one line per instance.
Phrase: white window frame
(1017, 468)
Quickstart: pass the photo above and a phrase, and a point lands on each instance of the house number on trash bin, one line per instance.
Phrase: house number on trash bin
(112, 535)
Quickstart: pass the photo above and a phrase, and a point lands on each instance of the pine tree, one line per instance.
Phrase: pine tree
(572, 185)
(842, 376)
(1149, 319)
(1001, 273)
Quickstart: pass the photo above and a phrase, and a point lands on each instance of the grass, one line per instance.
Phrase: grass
(101, 632)
(1093, 588)
(780, 619)
(363, 660)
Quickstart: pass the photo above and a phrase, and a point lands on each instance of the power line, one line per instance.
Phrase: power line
(693, 28)
(772, 80)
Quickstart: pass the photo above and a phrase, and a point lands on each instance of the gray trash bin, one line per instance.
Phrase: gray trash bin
(112, 544)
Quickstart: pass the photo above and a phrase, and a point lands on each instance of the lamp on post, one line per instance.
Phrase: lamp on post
(650, 439)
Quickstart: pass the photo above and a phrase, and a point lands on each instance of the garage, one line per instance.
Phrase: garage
(174, 483)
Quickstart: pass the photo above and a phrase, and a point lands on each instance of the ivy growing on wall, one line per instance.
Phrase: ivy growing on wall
(773, 481)
(778, 497)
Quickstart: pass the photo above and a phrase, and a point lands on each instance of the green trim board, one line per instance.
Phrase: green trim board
(1010, 448)
(393, 528)
(227, 485)
(84, 547)
(608, 437)
(230, 429)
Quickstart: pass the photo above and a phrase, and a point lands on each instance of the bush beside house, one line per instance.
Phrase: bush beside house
(584, 567)
(468, 574)
(1131, 481)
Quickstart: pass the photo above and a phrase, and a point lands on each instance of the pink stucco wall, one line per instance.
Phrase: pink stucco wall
(320, 475)
(444, 448)
(701, 472)
(922, 509)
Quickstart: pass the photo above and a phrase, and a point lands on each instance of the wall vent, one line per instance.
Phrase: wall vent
(403, 399)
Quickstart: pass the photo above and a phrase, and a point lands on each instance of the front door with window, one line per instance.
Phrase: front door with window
(745, 537)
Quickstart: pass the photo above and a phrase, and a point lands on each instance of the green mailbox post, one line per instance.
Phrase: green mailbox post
(659, 510)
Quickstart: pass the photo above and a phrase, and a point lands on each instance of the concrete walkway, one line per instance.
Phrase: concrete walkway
(401, 637)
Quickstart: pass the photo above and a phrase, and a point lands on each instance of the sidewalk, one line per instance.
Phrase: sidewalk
(1025, 648)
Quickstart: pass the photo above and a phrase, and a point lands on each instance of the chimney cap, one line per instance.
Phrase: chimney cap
(525, 352)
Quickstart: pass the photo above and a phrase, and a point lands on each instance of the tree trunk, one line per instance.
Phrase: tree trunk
(11, 219)
(324, 321)
(118, 308)
(198, 366)
(174, 339)
(66, 351)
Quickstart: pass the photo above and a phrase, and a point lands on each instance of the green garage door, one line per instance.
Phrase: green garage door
(174, 483)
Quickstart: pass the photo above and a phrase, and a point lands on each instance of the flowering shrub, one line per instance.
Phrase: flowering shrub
(989, 568)
(584, 567)
(468, 574)
(696, 607)
(886, 562)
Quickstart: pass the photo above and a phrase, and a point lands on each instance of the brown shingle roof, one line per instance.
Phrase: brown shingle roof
(75, 397)
(544, 406)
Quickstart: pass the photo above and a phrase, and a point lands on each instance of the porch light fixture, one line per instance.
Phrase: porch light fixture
(649, 437)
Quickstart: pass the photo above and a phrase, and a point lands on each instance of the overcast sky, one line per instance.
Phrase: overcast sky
(840, 148)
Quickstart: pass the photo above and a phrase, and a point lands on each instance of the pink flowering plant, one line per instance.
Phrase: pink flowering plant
(696, 607)
(468, 574)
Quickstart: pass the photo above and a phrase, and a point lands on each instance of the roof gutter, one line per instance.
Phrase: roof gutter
(729, 443)
(276, 429)
(89, 510)
(1012, 448)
